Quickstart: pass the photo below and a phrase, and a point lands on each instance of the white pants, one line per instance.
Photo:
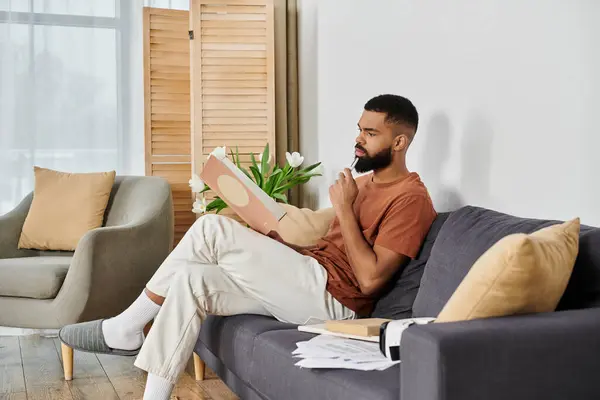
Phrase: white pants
(220, 267)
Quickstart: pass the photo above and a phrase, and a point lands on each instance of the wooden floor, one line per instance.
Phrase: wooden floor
(30, 368)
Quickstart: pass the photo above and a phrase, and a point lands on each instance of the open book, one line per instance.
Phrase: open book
(240, 193)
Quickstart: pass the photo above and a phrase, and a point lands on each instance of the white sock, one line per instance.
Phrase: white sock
(126, 330)
(157, 388)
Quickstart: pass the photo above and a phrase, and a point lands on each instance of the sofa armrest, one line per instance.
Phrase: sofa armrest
(540, 356)
(11, 225)
(112, 265)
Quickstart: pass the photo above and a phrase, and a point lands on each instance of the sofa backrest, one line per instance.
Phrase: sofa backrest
(470, 231)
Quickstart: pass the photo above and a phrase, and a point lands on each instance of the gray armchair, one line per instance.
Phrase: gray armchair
(106, 272)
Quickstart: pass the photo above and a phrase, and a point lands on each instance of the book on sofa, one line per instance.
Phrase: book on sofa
(246, 198)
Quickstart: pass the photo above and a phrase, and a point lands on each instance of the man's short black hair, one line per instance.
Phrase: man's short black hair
(398, 109)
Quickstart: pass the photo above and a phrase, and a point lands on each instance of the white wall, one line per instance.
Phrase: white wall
(508, 93)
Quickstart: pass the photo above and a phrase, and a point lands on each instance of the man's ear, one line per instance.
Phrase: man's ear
(401, 142)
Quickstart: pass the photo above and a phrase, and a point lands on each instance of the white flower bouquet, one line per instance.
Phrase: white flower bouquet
(274, 180)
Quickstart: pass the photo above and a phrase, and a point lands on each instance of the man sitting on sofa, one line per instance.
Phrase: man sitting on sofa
(220, 267)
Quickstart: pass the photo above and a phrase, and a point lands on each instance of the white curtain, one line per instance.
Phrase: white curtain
(71, 88)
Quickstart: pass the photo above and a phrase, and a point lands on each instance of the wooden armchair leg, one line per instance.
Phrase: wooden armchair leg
(67, 360)
(199, 367)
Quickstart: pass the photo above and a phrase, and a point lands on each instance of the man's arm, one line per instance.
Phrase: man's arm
(373, 267)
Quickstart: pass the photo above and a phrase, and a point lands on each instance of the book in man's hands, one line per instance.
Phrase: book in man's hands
(246, 198)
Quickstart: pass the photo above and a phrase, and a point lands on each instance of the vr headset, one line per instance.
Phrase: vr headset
(390, 334)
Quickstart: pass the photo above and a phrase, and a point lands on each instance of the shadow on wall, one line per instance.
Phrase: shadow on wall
(435, 158)
(476, 161)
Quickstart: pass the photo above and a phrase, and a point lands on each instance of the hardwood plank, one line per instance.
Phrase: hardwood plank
(13, 396)
(234, 106)
(215, 387)
(171, 138)
(89, 379)
(169, 90)
(172, 167)
(127, 380)
(180, 97)
(169, 19)
(171, 158)
(165, 60)
(187, 389)
(12, 379)
(171, 131)
(43, 370)
(235, 135)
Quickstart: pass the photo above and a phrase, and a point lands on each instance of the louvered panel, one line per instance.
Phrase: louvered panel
(232, 79)
(167, 107)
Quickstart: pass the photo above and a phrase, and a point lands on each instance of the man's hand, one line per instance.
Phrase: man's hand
(343, 192)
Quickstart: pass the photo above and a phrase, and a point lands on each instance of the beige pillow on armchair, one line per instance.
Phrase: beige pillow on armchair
(303, 226)
(64, 207)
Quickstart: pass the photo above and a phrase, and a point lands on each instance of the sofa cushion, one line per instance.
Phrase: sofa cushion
(520, 274)
(33, 277)
(231, 339)
(470, 231)
(274, 375)
(396, 301)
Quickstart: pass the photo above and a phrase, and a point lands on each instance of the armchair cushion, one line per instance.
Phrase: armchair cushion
(65, 206)
(33, 277)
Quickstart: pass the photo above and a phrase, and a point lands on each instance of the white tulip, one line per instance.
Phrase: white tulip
(294, 159)
(196, 184)
(199, 206)
(259, 159)
(318, 170)
(219, 152)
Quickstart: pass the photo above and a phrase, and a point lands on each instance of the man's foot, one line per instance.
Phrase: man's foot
(88, 336)
(126, 330)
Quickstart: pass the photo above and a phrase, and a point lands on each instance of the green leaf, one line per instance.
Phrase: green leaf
(272, 181)
(281, 196)
(216, 204)
(309, 168)
(257, 176)
(254, 164)
(264, 162)
(237, 154)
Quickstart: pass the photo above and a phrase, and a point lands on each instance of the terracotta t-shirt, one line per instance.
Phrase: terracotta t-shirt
(395, 215)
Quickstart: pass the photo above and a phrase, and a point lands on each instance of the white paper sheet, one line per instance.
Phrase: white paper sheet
(326, 351)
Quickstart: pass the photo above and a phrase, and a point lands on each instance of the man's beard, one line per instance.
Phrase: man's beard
(367, 163)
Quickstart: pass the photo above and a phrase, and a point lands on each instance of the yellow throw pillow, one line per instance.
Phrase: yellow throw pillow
(65, 206)
(520, 274)
(303, 226)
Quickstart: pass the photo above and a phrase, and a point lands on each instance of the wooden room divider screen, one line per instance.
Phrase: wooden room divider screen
(209, 82)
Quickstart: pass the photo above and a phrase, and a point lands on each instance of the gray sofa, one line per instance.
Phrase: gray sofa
(106, 272)
(544, 356)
